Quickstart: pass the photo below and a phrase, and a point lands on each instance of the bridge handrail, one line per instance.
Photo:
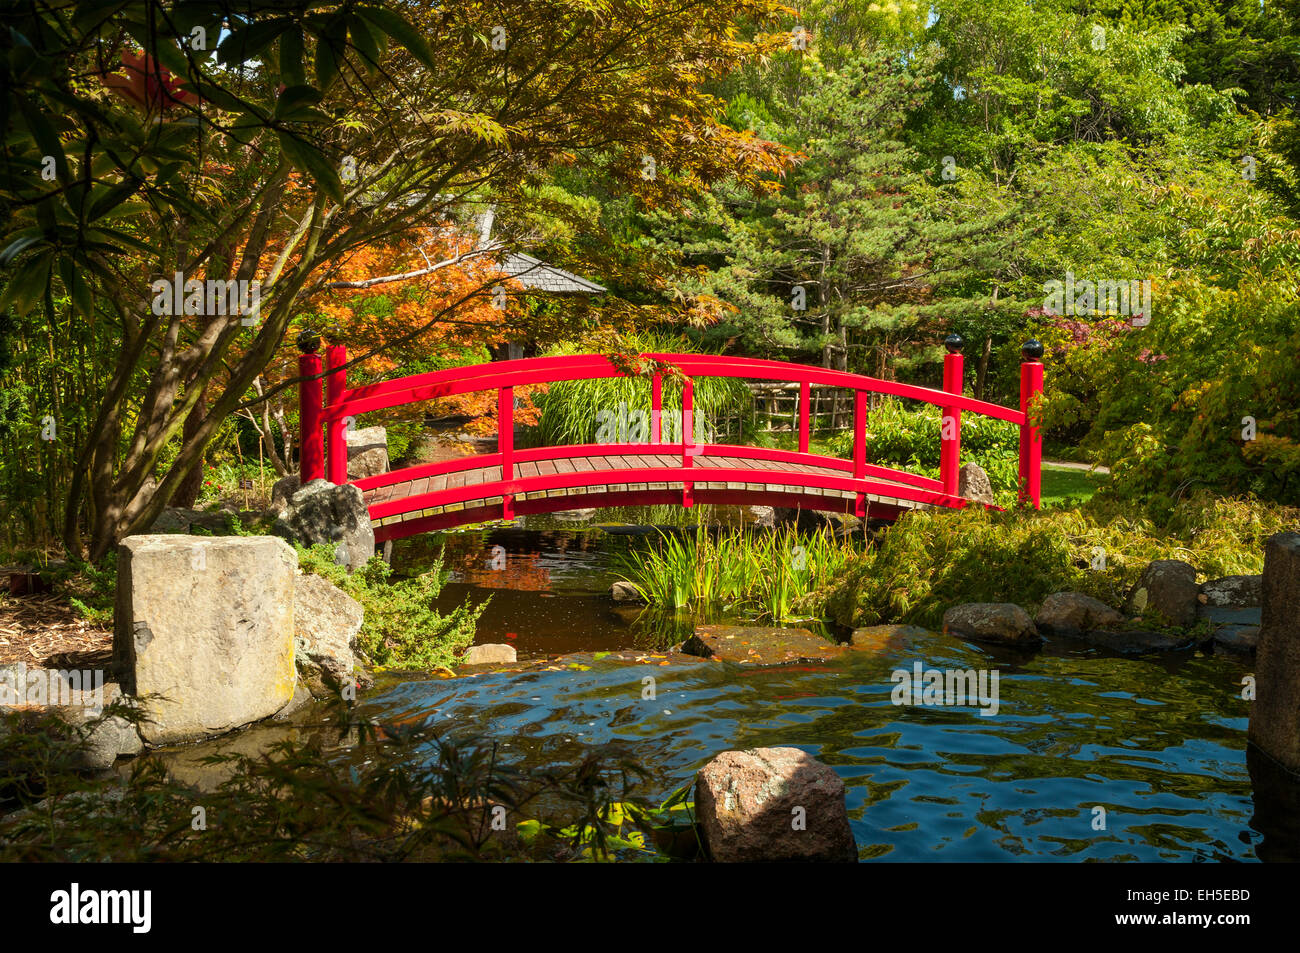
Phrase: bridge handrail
(543, 370)
(341, 403)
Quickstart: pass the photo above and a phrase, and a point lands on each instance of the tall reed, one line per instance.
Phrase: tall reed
(778, 575)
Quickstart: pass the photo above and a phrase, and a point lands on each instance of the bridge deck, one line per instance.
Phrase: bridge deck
(699, 478)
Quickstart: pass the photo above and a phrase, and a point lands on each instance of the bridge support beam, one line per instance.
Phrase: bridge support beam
(1031, 437)
(311, 439)
(506, 445)
(950, 421)
(859, 448)
(657, 408)
(336, 382)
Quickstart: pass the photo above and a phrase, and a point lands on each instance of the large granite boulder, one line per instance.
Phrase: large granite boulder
(367, 452)
(326, 622)
(1004, 623)
(322, 512)
(204, 631)
(1165, 593)
(974, 484)
(1275, 715)
(772, 804)
(1071, 614)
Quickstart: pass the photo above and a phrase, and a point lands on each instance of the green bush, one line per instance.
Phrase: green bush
(909, 439)
(931, 561)
(402, 629)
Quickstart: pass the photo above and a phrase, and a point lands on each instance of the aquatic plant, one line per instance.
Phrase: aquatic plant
(773, 574)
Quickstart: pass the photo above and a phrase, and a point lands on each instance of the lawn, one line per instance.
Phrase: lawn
(1062, 483)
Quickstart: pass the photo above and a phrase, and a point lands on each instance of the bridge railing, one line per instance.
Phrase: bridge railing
(324, 446)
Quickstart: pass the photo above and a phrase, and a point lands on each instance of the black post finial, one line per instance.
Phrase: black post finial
(1032, 350)
(954, 343)
(308, 341)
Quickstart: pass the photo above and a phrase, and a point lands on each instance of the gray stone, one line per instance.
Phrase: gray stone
(772, 804)
(1165, 593)
(760, 645)
(204, 631)
(1236, 639)
(625, 592)
(489, 653)
(174, 519)
(1072, 613)
(1275, 714)
(367, 452)
(322, 512)
(283, 489)
(974, 484)
(1002, 622)
(105, 736)
(326, 622)
(1233, 592)
(764, 516)
(1136, 640)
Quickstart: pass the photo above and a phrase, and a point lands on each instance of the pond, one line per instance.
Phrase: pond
(1090, 756)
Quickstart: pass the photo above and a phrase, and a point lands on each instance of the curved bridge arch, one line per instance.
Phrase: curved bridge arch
(507, 482)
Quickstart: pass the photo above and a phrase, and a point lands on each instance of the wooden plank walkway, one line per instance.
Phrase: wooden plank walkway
(614, 463)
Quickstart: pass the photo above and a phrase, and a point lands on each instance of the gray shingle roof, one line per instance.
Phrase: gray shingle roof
(537, 275)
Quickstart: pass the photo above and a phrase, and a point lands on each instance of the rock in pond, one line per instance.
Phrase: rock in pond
(1165, 593)
(1233, 592)
(1073, 613)
(625, 592)
(772, 804)
(204, 633)
(1004, 623)
(489, 653)
(322, 512)
(760, 645)
(1135, 640)
(326, 622)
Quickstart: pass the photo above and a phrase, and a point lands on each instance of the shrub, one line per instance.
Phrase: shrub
(402, 629)
(930, 561)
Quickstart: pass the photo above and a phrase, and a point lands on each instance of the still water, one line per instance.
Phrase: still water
(1090, 756)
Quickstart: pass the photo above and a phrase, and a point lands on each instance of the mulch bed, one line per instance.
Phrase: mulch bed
(43, 630)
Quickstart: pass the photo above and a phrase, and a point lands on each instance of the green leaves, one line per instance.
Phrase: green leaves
(311, 161)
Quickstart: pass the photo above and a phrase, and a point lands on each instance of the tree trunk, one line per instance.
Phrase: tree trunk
(192, 485)
(984, 368)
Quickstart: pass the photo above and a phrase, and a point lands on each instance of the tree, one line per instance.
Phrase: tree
(260, 141)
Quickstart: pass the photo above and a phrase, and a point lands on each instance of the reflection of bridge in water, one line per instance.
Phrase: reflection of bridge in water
(507, 482)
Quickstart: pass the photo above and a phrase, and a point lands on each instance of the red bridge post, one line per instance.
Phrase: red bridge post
(336, 382)
(657, 407)
(859, 447)
(311, 439)
(506, 445)
(950, 421)
(805, 392)
(1031, 437)
(688, 439)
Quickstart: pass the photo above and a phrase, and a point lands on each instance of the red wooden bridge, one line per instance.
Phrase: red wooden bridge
(507, 482)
